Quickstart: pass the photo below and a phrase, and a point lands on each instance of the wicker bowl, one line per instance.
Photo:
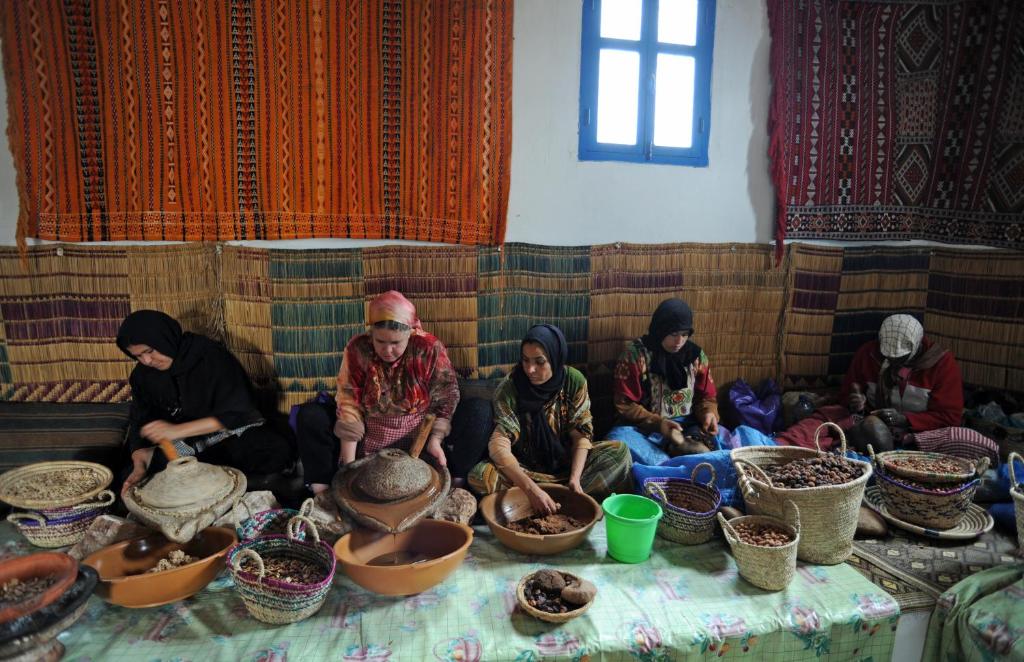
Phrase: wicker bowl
(894, 464)
(544, 615)
(940, 508)
(60, 527)
(48, 485)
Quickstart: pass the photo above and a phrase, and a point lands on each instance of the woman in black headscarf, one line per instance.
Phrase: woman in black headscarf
(544, 432)
(192, 391)
(663, 384)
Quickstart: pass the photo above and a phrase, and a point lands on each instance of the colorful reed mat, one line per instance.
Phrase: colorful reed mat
(287, 314)
(212, 121)
(916, 571)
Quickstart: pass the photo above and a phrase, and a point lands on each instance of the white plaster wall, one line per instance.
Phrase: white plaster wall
(556, 199)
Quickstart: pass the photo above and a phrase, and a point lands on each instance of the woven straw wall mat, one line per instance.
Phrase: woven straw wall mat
(814, 277)
(180, 280)
(975, 306)
(316, 307)
(524, 284)
(245, 300)
(442, 283)
(876, 282)
(61, 311)
(6, 381)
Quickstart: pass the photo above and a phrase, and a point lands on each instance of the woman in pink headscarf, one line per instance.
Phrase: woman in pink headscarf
(391, 377)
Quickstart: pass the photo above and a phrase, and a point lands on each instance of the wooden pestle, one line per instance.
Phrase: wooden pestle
(422, 435)
(167, 446)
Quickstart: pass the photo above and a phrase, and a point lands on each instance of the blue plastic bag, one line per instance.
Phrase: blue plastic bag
(760, 410)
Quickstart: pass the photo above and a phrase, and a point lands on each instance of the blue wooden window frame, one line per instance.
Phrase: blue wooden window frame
(645, 151)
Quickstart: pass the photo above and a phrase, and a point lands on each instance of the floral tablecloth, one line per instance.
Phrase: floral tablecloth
(684, 603)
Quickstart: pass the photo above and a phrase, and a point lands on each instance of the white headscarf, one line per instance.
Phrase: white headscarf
(900, 335)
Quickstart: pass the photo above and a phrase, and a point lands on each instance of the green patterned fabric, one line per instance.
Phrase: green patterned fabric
(685, 603)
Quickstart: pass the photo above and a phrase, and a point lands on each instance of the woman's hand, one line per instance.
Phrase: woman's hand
(574, 485)
(158, 430)
(856, 401)
(709, 423)
(541, 501)
(666, 427)
(435, 450)
(140, 462)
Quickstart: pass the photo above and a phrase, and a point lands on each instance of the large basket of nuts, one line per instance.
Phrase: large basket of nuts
(827, 488)
(282, 579)
(765, 547)
(929, 504)
(1017, 492)
(689, 506)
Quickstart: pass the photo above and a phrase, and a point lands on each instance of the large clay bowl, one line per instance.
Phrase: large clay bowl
(496, 509)
(122, 568)
(61, 567)
(32, 637)
(444, 543)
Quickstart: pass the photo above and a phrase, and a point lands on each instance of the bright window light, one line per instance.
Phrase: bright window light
(618, 79)
(620, 19)
(673, 101)
(677, 22)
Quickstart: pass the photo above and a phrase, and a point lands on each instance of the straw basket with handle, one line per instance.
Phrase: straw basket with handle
(1018, 496)
(770, 568)
(684, 525)
(267, 522)
(275, 600)
(829, 512)
(60, 527)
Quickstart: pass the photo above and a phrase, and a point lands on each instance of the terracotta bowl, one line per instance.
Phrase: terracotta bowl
(43, 564)
(498, 507)
(122, 568)
(443, 543)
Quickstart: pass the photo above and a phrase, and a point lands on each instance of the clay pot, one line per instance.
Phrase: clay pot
(43, 564)
(498, 508)
(443, 543)
(33, 637)
(392, 474)
(122, 568)
(186, 497)
(360, 488)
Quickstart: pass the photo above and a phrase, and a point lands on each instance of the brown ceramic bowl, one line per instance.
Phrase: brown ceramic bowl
(498, 507)
(61, 567)
(443, 543)
(122, 568)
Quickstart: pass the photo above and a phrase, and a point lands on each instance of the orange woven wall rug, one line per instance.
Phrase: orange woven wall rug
(260, 119)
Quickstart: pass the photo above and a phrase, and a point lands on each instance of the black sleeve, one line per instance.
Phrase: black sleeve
(140, 413)
(231, 396)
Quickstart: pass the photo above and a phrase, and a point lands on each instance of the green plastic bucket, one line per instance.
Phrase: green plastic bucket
(630, 521)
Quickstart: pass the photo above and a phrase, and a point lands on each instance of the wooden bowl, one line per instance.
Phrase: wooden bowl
(444, 543)
(496, 509)
(122, 568)
(545, 615)
(43, 564)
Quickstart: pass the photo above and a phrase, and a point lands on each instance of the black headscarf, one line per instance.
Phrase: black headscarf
(163, 333)
(670, 316)
(544, 451)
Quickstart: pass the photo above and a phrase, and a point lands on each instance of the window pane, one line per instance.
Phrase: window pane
(618, 74)
(677, 22)
(673, 101)
(620, 19)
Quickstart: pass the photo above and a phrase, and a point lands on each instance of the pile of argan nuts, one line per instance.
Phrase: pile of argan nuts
(931, 465)
(762, 535)
(814, 472)
(286, 569)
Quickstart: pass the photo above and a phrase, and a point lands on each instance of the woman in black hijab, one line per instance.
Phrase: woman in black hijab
(192, 391)
(544, 432)
(663, 384)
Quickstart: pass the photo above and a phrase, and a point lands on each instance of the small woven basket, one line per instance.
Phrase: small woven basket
(682, 525)
(544, 615)
(268, 522)
(60, 527)
(891, 463)
(770, 568)
(1017, 492)
(940, 508)
(275, 601)
(829, 512)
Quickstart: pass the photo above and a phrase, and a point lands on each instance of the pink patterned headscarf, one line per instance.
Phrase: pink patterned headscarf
(392, 306)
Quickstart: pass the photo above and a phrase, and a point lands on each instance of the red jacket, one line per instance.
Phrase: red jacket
(931, 397)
